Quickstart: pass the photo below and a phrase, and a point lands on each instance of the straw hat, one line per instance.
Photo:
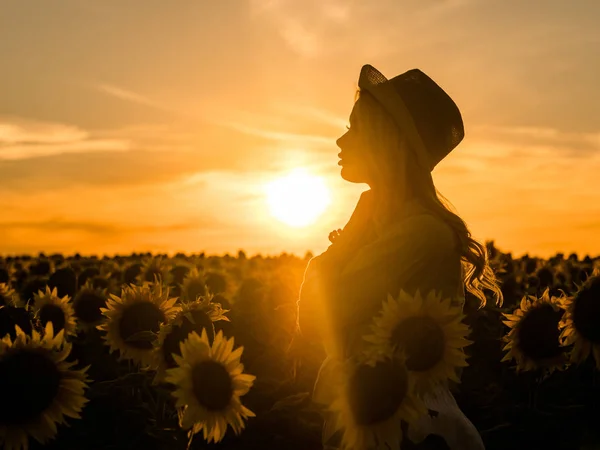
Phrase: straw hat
(422, 110)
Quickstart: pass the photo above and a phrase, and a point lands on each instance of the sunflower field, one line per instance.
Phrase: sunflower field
(196, 351)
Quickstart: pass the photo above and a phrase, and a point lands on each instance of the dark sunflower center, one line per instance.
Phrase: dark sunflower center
(538, 333)
(179, 273)
(216, 283)
(195, 288)
(423, 341)
(65, 282)
(202, 320)
(132, 272)
(100, 282)
(179, 333)
(151, 273)
(31, 288)
(212, 385)
(138, 317)
(376, 393)
(55, 314)
(87, 306)
(546, 277)
(29, 383)
(586, 312)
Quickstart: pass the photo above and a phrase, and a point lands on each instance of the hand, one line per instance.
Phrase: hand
(358, 224)
(334, 235)
(345, 242)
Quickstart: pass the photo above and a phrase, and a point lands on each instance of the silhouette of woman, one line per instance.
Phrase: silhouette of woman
(400, 236)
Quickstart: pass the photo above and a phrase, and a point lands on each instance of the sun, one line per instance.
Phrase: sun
(298, 199)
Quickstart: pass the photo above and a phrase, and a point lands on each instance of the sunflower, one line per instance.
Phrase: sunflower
(533, 340)
(194, 285)
(154, 269)
(64, 279)
(131, 272)
(49, 307)
(8, 296)
(581, 323)
(209, 382)
(216, 282)
(179, 271)
(87, 305)
(428, 330)
(5, 273)
(38, 387)
(374, 395)
(193, 316)
(134, 318)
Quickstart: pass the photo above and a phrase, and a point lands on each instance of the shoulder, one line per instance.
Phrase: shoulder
(423, 231)
(417, 240)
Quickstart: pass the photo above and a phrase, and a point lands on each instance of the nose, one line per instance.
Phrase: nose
(340, 140)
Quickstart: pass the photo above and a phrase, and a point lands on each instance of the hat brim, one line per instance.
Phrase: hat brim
(376, 84)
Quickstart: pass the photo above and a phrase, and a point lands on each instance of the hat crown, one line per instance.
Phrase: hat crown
(436, 119)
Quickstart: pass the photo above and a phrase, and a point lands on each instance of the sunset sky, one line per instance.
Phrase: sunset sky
(135, 125)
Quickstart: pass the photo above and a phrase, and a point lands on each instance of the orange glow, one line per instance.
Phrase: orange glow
(298, 199)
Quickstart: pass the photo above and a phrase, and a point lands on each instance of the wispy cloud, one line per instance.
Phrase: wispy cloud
(128, 95)
(324, 28)
(294, 138)
(105, 228)
(437, 8)
(296, 125)
(15, 152)
(313, 113)
(524, 186)
(565, 143)
(136, 166)
(14, 130)
(23, 139)
(302, 26)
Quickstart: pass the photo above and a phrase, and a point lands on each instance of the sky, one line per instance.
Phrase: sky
(147, 125)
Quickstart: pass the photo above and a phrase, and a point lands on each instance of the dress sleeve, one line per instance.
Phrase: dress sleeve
(410, 246)
(420, 253)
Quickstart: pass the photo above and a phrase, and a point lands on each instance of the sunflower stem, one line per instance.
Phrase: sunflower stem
(191, 437)
(534, 388)
(148, 394)
(594, 389)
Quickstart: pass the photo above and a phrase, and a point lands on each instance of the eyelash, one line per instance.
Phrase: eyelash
(347, 127)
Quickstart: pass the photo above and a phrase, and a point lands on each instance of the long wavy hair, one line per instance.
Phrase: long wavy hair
(398, 173)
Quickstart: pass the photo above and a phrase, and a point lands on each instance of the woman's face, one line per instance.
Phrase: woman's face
(355, 155)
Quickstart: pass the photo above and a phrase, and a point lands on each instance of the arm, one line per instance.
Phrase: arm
(312, 298)
(323, 270)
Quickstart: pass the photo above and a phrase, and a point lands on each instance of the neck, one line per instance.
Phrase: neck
(388, 202)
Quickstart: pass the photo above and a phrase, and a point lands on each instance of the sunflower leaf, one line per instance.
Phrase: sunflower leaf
(292, 401)
(148, 336)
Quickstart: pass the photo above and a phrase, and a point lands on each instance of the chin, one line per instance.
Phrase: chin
(352, 176)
